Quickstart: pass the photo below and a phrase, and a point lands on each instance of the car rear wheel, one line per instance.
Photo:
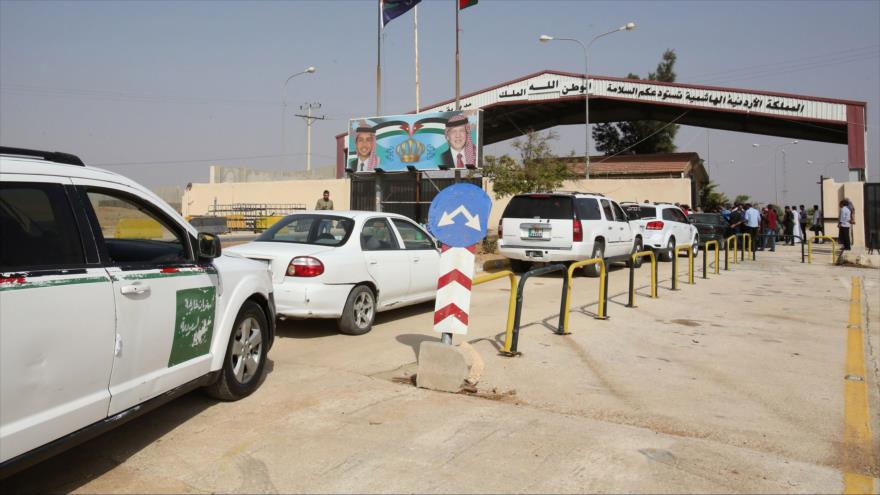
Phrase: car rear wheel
(696, 246)
(245, 358)
(670, 246)
(598, 252)
(359, 312)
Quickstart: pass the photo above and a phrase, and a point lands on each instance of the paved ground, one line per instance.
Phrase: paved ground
(735, 384)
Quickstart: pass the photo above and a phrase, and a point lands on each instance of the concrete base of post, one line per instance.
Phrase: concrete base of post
(441, 367)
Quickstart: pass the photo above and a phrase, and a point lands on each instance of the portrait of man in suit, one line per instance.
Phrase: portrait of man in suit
(461, 152)
(365, 145)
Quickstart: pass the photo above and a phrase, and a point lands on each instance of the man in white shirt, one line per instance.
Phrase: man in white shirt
(844, 222)
(752, 219)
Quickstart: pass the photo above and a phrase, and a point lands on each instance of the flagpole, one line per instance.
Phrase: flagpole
(416, 31)
(379, 61)
(457, 60)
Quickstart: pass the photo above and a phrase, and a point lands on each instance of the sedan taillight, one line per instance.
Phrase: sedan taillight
(305, 266)
(655, 225)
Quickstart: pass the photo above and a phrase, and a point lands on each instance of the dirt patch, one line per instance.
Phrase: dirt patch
(687, 323)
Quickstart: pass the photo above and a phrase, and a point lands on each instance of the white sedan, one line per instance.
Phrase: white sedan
(346, 265)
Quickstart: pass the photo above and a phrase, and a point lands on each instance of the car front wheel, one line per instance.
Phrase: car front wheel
(245, 358)
(359, 312)
(670, 247)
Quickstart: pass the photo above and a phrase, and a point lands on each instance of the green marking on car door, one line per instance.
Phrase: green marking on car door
(41, 284)
(193, 324)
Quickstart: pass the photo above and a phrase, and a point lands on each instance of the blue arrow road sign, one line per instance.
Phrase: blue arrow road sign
(459, 215)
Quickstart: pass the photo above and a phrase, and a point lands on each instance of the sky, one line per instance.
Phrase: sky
(159, 91)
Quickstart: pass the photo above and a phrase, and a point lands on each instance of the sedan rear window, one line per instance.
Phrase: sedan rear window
(323, 230)
(545, 206)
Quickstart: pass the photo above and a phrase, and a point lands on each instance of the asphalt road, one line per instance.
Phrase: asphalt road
(735, 384)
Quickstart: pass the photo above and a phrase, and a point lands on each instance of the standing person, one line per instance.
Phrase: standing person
(844, 223)
(802, 214)
(325, 203)
(770, 228)
(796, 225)
(788, 226)
(752, 220)
(818, 223)
(735, 221)
(462, 152)
(852, 217)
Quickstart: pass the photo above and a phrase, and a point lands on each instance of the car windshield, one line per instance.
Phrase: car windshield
(547, 206)
(707, 218)
(323, 230)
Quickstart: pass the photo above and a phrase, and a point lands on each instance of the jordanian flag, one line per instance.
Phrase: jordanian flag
(396, 8)
(463, 4)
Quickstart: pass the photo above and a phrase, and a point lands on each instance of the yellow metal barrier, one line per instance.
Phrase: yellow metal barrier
(747, 245)
(511, 306)
(717, 256)
(632, 269)
(833, 247)
(602, 276)
(690, 266)
(727, 249)
(263, 223)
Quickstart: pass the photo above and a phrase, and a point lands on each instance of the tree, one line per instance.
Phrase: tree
(640, 136)
(710, 199)
(539, 170)
(742, 198)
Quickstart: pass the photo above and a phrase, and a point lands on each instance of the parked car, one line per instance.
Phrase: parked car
(110, 305)
(710, 226)
(664, 226)
(346, 265)
(565, 227)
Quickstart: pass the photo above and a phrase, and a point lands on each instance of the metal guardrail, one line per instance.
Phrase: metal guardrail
(747, 237)
(632, 277)
(514, 339)
(833, 247)
(727, 249)
(675, 266)
(511, 305)
(706, 255)
(603, 290)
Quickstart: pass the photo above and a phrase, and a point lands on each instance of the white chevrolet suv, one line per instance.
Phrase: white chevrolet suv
(663, 226)
(564, 227)
(110, 305)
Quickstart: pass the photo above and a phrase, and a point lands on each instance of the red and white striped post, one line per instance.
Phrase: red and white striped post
(453, 301)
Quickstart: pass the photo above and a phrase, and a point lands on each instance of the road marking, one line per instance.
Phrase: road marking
(857, 430)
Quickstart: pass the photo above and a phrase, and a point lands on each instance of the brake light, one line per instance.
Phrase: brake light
(305, 266)
(655, 225)
(577, 231)
(501, 229)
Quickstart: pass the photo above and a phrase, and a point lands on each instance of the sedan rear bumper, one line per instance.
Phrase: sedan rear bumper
(304, 300)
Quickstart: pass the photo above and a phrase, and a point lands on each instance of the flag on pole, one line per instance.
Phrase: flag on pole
(463, 4)
(392, 9)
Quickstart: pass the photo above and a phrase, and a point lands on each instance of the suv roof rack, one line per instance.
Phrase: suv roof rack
(579, 192)
(53, 156)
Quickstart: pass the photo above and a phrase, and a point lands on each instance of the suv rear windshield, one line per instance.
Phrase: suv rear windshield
(648, 212)
(546, 206)
(322, 230)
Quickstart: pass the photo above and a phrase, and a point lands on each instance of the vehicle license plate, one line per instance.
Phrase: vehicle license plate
(536, 233)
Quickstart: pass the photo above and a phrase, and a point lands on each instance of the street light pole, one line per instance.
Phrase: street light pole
(309, 70)
(775, 169)
(586, 48)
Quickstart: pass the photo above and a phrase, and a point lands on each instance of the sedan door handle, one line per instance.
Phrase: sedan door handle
(134, 289)
(374, 262)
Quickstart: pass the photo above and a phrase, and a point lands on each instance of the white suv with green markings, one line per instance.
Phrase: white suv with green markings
(111, 304)
(565, 227)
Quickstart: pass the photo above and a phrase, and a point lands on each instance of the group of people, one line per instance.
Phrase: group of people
(766, 224)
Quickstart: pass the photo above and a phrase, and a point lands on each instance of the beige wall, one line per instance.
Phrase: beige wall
(833, 193)
(669, 190)
(200, 197)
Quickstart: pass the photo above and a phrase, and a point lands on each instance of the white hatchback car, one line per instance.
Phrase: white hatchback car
(110, 305)
(346, 265)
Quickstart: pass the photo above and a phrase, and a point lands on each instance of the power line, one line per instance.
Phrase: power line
(175, 162)
(791, 69)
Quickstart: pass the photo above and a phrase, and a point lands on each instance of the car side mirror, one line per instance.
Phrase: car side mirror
(208, 246)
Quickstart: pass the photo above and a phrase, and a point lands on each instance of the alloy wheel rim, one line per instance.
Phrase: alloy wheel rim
(247, 349)
(363, 309)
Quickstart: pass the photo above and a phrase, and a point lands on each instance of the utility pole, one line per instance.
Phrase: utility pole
(307, 107)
